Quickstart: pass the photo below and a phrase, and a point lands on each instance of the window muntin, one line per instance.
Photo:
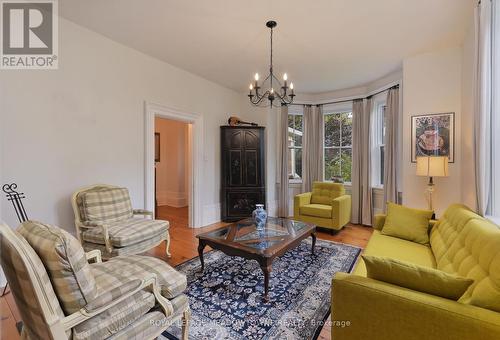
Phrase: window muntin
(338, 146)
(295, 133)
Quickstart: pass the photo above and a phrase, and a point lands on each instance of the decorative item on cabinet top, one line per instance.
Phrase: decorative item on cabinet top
(235, 121)
(242, 171)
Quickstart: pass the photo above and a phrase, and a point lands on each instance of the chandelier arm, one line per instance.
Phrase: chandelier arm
(265, 95)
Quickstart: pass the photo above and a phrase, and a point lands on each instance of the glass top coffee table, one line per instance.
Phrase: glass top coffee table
(244, 239)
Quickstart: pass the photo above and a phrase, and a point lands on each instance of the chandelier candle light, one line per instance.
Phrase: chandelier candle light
(283, 97)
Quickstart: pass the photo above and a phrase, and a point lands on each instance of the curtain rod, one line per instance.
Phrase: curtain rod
(350, 100)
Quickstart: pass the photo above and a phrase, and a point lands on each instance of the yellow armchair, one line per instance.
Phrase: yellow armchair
(326, 206)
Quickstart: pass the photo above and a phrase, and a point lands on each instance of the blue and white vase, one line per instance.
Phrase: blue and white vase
(259, 216)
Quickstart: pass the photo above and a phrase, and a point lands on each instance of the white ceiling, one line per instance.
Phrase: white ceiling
(323, 45)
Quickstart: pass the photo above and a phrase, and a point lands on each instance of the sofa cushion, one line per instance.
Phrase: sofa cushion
(414, 277)
(325, 192)
(127, 232)
(396, 248)
(318, 210)
(116, 318)
(407, 223)
(120, 269)
(135, 248)
(105, 205)
(65, 261)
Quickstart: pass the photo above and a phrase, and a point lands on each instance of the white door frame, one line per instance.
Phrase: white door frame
(151, 111)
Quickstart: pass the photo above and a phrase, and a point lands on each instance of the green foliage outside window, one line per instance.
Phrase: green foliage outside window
(338, 146)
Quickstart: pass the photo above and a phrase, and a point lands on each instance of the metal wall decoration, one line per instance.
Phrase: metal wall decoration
(16, 199)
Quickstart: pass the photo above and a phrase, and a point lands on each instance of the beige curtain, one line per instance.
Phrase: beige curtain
(483, 65)
(361, 172)
(283, 163)
(312, 148)
(391, 146)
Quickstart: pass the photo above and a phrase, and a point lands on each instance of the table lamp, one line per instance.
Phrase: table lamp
(432, 166)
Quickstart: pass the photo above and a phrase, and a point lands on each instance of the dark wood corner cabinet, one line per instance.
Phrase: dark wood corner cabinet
(243, 171)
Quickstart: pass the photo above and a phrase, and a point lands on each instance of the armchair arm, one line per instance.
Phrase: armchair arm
(341, 210)
(105, 234)
(378, 310)
(142, 212)
(378, 221)
(149, 281)
(94, 254)
(300, 200)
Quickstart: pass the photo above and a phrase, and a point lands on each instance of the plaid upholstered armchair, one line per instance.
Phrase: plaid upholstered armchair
(60, 295)
(105, 220)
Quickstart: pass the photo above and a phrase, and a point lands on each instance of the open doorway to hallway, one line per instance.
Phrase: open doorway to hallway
(172, 171)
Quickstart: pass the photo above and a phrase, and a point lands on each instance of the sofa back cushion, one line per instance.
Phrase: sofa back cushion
(468, 245)
(65, 262)
(103, 204)
(324, 192)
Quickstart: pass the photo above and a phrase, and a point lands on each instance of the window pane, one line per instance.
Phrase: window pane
(332, 130)
(290, 121)
(298, 130)
(332, 163)
(382, 157)
(346, 119)
(295, 164)
(346, 164)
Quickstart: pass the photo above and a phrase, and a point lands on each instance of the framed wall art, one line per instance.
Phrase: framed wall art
(433, 135)
(157, 147)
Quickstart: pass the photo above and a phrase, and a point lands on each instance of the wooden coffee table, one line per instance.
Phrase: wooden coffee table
(243, 239)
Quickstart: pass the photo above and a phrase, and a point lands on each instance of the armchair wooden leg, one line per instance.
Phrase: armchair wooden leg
(185, 324)
(167, 245)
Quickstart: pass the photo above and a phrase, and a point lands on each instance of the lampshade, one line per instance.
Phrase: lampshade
(432, 166)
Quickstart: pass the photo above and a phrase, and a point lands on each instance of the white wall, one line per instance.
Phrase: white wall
(172, 171)
(468, 183)
(84, 123)
(432, 84)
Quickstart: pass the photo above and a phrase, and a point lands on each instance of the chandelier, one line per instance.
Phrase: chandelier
(283, 97)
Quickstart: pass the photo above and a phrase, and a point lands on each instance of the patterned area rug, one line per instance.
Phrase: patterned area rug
(226, 301)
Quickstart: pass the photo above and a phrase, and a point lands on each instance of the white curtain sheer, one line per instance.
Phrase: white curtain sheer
(312, 150)
(483, 103)
(391, 146)
(283, 163)
(361, 160)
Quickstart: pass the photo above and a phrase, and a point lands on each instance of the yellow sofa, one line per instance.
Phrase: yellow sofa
(326, 206)
(461, 243)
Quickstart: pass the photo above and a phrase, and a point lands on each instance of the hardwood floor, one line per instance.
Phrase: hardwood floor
(183, 247)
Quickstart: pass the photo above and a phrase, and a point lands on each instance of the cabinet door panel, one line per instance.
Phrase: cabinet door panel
(251, 167)
(235, 168)
(235, 139)
(251, 140)
(241, 204)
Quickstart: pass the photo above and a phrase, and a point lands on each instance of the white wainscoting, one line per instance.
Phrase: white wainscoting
(172, 199)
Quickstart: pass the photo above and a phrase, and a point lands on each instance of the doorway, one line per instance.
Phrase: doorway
(193, 164)
(172, 170)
